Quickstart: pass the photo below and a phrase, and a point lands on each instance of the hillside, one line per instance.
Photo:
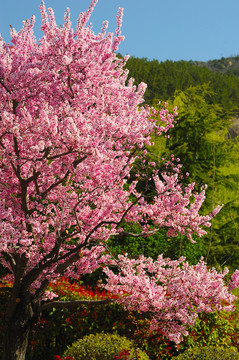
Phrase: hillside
(229, 65)
(164, 78)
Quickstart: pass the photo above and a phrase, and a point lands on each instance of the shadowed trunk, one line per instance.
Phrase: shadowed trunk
(18, 327)
(15, 345)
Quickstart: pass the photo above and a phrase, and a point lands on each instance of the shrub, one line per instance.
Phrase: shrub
(104, 347)
(218, 329)
(209, 353)
(213, 329)
(153, 342)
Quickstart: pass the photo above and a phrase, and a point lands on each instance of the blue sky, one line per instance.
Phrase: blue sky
(155, 29)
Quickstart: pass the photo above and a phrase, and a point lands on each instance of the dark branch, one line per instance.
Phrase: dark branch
(69, 82)
(78, 161)
(2, 83)
(60, 155)
(62, 304)
(43, 195)
(5, 289)
(143, 234)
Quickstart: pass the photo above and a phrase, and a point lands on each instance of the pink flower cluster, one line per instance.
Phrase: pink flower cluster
(234, 282)
(172, 292)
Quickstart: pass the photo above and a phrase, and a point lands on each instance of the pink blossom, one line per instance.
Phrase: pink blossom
(234, 283)
(171, 291)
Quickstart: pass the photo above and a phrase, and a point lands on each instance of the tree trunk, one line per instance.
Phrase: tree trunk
(18, 327)
(15, 345)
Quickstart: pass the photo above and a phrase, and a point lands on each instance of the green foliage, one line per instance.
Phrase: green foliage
(199, 138)
(159, 243)
(218, 329)
(209, 353)
(103, 347)
(213, 329)
(202, 142)
(60, 327)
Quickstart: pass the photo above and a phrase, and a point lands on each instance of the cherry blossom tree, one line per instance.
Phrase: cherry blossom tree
(71, 130)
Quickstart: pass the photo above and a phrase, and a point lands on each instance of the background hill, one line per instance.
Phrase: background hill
(224, 65)
(164, 78)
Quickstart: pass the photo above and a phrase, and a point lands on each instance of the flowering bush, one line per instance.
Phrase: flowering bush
(123, 355)
(74, 290)
(59, 328)
(153, 342)
(220, 328)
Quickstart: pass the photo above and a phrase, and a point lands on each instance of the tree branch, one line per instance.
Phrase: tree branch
(5, 288)
(126, 233)
(2, 83)
(55, 184)
(60, 155)
(62, 304)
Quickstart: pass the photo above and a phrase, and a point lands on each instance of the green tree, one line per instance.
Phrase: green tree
(201, 140)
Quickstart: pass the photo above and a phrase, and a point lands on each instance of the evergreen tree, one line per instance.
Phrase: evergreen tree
(201, 140)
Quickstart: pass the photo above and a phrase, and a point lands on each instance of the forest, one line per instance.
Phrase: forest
(205, 139)
(164, 78)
